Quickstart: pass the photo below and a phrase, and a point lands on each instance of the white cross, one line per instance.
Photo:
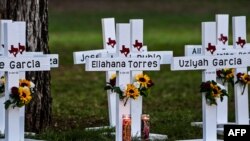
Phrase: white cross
(222, 24)
(239, 30)
(14, 40)
(239, 43)
(109, 44)
(209, 64)
(21, 37)
(138, 50)
(2, 98)
(123, 66)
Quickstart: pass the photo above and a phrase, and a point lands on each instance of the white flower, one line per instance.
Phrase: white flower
(32, 85)
(123, 87)
(137, 84)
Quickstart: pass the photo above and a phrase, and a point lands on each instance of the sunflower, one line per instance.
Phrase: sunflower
(2, 81)
(131, 91)
(113, 76)
(226, 75)
(112, 80)
(212, 91)
(25, 95)
(216, 91)
(229, 73)
(143, 80)
(245, 78)
(23, 83)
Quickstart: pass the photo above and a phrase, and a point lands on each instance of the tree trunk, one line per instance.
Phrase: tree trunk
(35, 13)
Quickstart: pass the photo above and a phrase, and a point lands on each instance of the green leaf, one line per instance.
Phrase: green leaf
(221, 98)
(7, 104)
(107, 87)
(117, 90)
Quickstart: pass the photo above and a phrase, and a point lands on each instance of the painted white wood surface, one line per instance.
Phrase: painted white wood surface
(136, 43)
(241, 100)
(2, 98)
(109, 45)
(123, 76)
(209, 112)
(14, 36)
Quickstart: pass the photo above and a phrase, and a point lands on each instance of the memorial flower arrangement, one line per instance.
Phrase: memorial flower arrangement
(243, 79)
(21, 95)
(212, 91)
(141, 86)
(2, 84)
(226, 75)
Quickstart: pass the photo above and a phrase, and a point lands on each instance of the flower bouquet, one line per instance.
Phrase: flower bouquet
(21, 95)
(141, 86)
(243, 79)
(2, 84)
(212, 91)
(226, 75)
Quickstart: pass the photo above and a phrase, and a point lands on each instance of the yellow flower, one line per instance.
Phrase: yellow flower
(112, 80)
(231, 74)
(24, 82)
(142, 79)
(2, 81)
(24, 95)
(113, 76)
(245, 78)
(131, 91)
(216, 92)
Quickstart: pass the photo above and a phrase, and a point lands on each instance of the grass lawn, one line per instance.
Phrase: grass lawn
(79, 100)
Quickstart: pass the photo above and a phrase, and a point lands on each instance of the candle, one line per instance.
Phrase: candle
(126, 128)
(145, 127)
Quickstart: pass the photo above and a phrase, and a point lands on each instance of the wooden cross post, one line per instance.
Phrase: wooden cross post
(239, 43)
(222, 27)
(109, 44)
(138, 50)
(136, 45)
(54, 62)
(2, 98)
(123, 66)
(221, 48)
(12, 64)
(209, 111)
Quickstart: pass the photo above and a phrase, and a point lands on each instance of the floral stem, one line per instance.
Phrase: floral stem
(243, 89)
(223, 81)
(126, 101)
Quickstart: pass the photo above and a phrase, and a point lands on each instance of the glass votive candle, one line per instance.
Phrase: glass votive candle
(145, 127)
(126, 128)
